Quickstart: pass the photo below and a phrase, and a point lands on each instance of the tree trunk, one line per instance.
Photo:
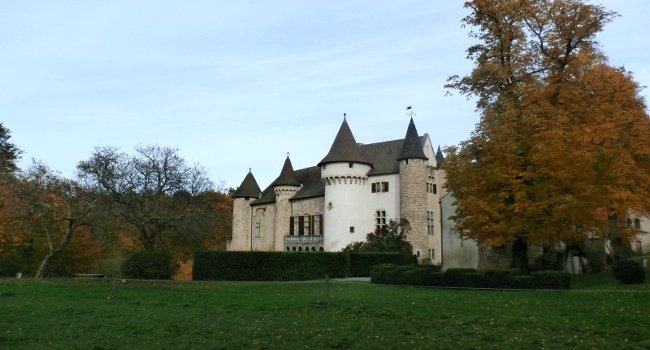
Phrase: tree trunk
(520, 254)
(42, 268)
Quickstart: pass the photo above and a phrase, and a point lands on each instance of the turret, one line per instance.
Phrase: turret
(284, 187)
(344, 170)
(413, 189)
(242, 213)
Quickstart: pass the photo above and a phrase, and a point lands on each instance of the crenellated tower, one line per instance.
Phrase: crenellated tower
(413, 189)
(344, 171)
(242, 213)
(284, 187)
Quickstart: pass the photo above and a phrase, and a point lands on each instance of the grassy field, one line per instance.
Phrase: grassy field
(72, 314)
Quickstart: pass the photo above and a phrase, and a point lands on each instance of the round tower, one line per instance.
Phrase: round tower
(413, 189)
(284, 187)
(344, 171)
(242, 213)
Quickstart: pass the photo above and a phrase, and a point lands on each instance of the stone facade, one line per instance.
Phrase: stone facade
(352, 191)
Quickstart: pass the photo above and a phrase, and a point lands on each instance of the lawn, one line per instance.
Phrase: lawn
(72, 314)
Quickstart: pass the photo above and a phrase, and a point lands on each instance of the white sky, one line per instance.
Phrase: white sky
(238, 84)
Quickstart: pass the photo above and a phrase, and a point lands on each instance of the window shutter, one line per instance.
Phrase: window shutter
(311, 224)
(320, 223)
(301, 225)
(385, 186)
(291, 231)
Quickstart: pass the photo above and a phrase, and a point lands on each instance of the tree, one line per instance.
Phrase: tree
(58, 208)
(562, 135)
(153, 190)
(9, 153)
(388, 238)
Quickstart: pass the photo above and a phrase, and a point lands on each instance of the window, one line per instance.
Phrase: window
(301, 225)
(430, 222)
(292, 229)
(379, 186)
(317, 224)
(637, 223)
(307, 227)
(351, 229)
(431, 186)
(380, 219)
(258, 228)
(432, 254)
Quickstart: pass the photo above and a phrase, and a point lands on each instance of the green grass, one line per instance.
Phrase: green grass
(68, 314)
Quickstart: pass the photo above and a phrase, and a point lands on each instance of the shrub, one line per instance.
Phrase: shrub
(550, 279)
(266, 266)
(498, 278)
(629, 272)
(360, 263)
(379, 273)
(148, 265)
(461, 277)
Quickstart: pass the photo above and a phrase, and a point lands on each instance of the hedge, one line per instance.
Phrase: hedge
(287, 266)
(148, 265)
(468, 278)
(359, 264)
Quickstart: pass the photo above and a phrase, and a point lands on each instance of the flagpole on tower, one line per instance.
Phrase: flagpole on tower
(410, 112)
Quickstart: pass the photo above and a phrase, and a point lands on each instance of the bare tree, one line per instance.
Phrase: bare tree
(152, 190)
(58, 207)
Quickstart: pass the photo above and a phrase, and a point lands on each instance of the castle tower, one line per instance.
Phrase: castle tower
(413, 189)
(242, 213)
(344, 170)
(284, 187)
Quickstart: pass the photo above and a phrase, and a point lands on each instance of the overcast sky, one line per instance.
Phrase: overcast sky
(238, 84)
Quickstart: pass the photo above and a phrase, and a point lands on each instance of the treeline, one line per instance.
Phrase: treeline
(117, 205)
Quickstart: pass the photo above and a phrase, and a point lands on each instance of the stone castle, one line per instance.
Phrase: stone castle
(353, 190)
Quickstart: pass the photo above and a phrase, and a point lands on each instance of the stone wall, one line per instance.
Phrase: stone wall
(413, 203)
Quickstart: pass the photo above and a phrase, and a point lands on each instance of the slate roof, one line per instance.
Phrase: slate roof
(309, 178)
(383, 156)
(287, 177)
(440, 158)
(344, 148)
(412, 147)
(248, 187)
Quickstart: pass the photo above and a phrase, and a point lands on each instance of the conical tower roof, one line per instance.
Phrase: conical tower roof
(287, 177)
(440, 158)
(248, 187)
(412, 147)
(344, 148)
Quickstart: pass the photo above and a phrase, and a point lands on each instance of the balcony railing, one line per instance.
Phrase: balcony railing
(317, 239)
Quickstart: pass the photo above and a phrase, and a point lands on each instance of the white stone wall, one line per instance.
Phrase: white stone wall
(241, 225)
(456, 252)
(346, 204)
(282, 214)
(643, 236)
(265, 215)
(388, 201)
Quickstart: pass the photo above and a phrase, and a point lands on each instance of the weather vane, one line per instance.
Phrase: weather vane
(410, 112)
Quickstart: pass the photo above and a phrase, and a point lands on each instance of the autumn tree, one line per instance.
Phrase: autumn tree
(562, 135)
(58, 209)
(9, 153)
(153, 190)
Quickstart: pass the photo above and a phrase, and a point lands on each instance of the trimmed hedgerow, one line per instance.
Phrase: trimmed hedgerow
(468, 278)
(629, 272)
(148, 265)
(360, 263)
(550, 279)
(286, 266)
